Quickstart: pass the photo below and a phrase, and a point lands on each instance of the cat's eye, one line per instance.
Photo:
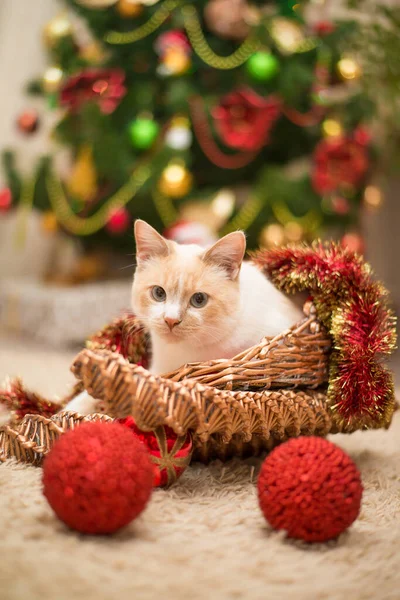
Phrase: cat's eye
(199, 299)
(158, 293)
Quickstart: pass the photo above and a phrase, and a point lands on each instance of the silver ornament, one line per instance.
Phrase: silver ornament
(178, 138)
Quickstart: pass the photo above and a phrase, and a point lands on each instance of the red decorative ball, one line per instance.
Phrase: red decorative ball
(170, 453)
(118, 221)
(5, 199)
(310, 488)
(28, 121)
(98, 478)
(354, 242)
(190, 232)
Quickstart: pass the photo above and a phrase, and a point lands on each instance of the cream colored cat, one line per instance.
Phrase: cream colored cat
(199, 304)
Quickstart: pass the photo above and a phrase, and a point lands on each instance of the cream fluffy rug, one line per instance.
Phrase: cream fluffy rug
(204, 538)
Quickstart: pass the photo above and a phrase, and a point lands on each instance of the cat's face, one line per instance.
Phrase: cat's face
(186, 293)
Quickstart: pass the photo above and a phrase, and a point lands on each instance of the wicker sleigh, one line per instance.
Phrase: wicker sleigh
(273, 391)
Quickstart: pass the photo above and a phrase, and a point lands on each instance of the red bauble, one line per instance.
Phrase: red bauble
(28, 121)
(310, 488)
(354, 242)
(323, 28)
(174, 39)
(340, 205)
(104, 86)
(340, 161)
(244, 119)
(170, 453)
(98, 478)
(190, 232)
(5, 199)
(118, 221)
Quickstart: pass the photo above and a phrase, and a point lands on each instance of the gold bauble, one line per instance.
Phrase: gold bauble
(287, 34)
(93, 53)
(129, 9)
(49, 222)
(82, 183)
(332, 128)
(176, 181)
(176, 61)
(52, 79)
(293, 231)
(272, 235)
(348, 68)
(56, 29)
(373, 197)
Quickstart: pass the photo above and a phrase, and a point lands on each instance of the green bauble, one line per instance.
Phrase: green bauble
(143, 133)
(262, 66)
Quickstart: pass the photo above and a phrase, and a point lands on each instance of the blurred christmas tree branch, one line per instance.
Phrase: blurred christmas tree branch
(377, 44)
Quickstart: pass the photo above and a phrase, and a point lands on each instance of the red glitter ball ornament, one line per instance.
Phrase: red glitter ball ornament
(5, 199)
(170, 453)
(118, 221)
(98, 478)
(310, 488)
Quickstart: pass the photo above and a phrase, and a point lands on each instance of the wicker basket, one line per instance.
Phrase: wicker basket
(241, 406)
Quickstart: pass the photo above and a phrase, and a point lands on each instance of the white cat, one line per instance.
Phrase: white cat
(200, 304)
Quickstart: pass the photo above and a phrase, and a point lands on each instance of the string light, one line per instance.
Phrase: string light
(373, 197)
(52, 79)
(349, 68)
(223, 203)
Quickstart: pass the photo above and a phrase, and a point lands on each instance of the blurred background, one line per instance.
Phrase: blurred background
(278, 117)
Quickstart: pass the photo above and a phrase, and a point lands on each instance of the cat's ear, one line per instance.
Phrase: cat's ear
(228, 253)
(149, 243)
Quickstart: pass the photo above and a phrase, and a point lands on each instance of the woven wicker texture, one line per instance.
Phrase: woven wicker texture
(297, 357)
(36, 435)
(247, 421)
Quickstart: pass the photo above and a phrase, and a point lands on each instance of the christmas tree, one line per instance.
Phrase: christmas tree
(201, 117)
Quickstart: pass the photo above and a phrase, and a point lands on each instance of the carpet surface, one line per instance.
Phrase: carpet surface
(203, 538)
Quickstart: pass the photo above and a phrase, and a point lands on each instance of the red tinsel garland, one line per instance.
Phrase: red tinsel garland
(354, 309)
(123, 335)
(20, 402)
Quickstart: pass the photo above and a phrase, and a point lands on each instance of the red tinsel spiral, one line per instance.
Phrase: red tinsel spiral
(353, 306)
(310, 488)
(98, 478)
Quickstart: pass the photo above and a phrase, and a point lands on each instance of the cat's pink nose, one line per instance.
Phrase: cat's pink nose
(171, 322)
